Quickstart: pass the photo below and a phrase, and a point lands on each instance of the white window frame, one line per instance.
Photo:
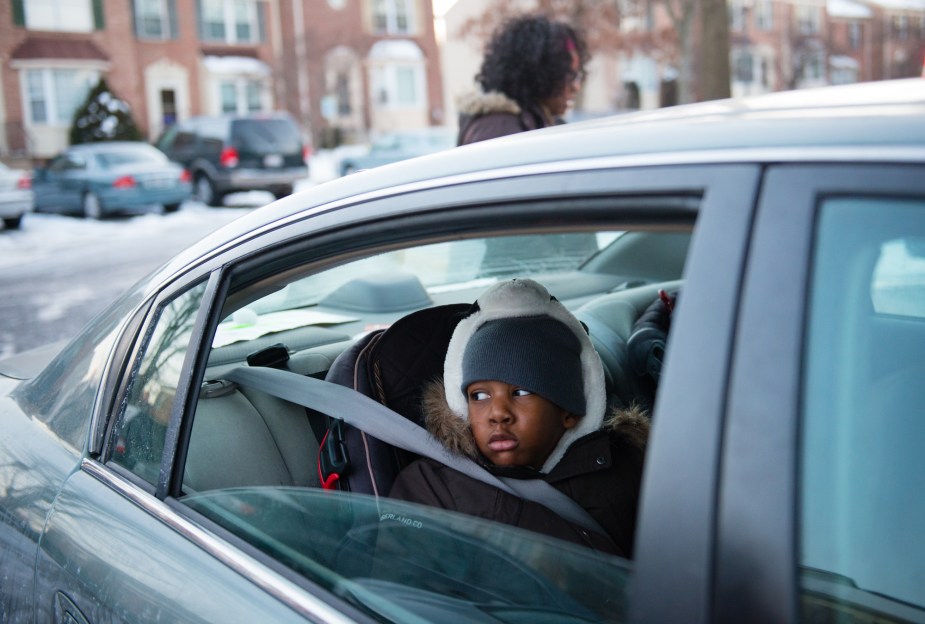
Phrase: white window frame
(59, 15)
(160, 14)
(54, 117)
(389, 12)
(242, 88)
(808, 19)
(385, 79)
(231, 10)
(764, 15)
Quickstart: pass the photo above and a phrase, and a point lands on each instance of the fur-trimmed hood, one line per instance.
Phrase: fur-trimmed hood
(526, 298)
(480, 103)
(631, 424)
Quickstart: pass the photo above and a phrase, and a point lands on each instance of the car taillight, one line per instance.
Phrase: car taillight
(185, 176)
(124, 182)
(24, 183)
(228, 157)
(306, 153)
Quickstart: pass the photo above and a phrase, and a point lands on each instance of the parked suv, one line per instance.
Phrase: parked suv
(234, 153)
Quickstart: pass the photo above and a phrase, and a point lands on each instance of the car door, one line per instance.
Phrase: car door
(106, 552)
(56, 186)
(121, 543)
(824, 417)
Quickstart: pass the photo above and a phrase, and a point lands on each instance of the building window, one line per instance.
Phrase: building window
(854, 35)
(744, 68)
(59, 15)
(764, 15)
(53, 95)
(398, 86)
(393, 16)
(901, 27)
(344, 107)
(242, 95)
(807, 20)
(231, 21)
(154, 19)
(737, 16)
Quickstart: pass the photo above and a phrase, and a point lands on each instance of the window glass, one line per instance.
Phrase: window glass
(229, 96)
(863, 469)
(253, 463)
(370, 552)
(54, 94)
(140, 432)
(152, 18)
(59, 15)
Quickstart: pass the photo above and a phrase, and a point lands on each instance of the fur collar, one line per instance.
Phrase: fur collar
(479, 103)
(631, 425)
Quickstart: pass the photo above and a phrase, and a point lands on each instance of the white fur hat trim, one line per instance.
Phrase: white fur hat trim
(525, 297)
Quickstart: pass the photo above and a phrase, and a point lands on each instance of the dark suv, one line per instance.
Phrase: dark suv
(226, 154)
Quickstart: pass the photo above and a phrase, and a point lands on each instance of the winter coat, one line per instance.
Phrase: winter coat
(601, 471)
(489, 115)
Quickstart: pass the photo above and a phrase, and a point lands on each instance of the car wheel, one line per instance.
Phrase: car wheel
(169, 208)
(12, 223)
(92, 207)
(205, 192)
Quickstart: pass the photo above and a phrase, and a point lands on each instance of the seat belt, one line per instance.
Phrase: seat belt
(364, 413)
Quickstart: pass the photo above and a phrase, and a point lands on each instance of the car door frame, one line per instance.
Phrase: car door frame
(721, 235)
(757, 558)
(726, 190)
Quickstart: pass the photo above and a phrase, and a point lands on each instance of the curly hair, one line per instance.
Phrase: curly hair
(528, 59)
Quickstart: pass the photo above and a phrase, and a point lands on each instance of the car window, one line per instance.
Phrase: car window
(266, 135)
(863, 469)
(252, 461)
(369, 552)
(129, 156)
(141, 429)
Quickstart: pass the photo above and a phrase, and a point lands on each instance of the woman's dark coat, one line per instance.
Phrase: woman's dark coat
(600, 471)
(489, 115)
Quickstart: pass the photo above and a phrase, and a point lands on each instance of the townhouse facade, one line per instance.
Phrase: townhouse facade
(342, 68)
(775, 45)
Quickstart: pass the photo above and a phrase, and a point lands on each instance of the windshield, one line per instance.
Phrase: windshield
(368, 551)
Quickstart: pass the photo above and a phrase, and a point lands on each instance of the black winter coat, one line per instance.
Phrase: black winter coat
(600, 471)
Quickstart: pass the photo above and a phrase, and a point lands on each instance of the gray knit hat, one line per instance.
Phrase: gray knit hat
(518, 300)
(538, 353)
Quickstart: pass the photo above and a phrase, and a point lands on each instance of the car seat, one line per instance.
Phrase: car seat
(629, 329)
(392, 366)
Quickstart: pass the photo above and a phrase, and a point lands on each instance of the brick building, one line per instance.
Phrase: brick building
(343, 68)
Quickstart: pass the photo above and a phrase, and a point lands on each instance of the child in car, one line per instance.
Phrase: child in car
(523, 394)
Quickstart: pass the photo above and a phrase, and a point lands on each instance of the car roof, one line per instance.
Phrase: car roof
(874, 121)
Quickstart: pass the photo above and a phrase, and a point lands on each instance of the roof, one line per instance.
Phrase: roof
(868, 118)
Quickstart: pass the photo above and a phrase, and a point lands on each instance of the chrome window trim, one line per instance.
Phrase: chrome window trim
(282, 589)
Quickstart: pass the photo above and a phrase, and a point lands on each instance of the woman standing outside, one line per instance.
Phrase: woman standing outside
(532, 70)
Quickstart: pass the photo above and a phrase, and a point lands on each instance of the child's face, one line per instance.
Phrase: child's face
(513, 426)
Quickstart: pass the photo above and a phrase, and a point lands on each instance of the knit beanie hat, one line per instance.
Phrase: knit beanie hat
(538, 353)
(524, 302)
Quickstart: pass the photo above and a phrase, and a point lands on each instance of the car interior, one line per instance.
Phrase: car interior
(242, 436)
(304, 482)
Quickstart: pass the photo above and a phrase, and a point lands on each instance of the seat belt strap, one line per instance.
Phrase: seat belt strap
(364, 413)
